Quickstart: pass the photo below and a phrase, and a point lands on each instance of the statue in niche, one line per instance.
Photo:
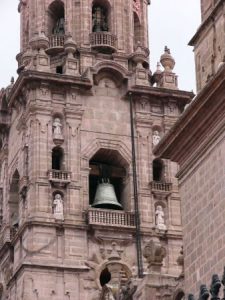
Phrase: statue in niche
(57, 128)
(58, 207)
(155, 138)
(159, 218)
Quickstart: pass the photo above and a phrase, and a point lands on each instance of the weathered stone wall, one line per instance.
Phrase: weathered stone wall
(209, 47)
(203, 209)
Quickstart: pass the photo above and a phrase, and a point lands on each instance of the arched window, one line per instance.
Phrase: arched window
(57, 158)
(14, 200)
(137, 30)
(100, 17)
(158, 170)
(56, 18)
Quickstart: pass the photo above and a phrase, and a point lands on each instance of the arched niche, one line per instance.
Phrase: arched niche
(158, 170)
(107, 163)
(14, 200)
(101, 16)
(137, 30)
(56, 18)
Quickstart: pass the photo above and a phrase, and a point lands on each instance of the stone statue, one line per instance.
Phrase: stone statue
(159, 214)
(57, 127)
(155, 138)
(58, 207)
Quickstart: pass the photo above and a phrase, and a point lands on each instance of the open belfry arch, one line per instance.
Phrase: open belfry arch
(86, 210)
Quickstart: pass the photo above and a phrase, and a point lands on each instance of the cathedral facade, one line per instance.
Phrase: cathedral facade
(87, 211)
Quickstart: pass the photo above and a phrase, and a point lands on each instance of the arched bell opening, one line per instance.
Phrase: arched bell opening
(158, 169)
(108, 184)
(56, 18)
(14, 200)
(137, 30)
(100, 16)
(57, 158)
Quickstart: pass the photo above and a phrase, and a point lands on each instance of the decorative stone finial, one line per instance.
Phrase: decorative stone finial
(70, 45)
(154, 253)
(39, 41)
(157, 76)
(167, 60)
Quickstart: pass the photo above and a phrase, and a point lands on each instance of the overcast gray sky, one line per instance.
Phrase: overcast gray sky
(171, 23)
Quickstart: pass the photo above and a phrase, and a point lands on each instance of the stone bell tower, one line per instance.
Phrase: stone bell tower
(208, 42)
(86, 210)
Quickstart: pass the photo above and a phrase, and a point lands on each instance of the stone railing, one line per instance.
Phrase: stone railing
(56, 41)
(96, 216)
(59, 176)
(161, 186)
(103, 39)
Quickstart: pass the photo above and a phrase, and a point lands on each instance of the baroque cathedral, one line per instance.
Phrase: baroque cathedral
(87, 210)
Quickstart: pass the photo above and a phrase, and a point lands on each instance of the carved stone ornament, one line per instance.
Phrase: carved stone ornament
(155, 138)
(57, 131)
(58, 207)
(159, 218)
(154, 252)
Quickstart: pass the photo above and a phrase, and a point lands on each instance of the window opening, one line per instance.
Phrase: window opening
(57, 158)
(158, 170)
(99, 19)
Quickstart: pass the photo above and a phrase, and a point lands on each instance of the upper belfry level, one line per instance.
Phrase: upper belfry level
(108, 25)
(208, 42)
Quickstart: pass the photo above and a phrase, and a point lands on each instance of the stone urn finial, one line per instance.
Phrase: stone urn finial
(167, 60)
(70, 45)
(39, 41)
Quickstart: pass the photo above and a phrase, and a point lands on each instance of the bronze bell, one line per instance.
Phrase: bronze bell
(105, 197)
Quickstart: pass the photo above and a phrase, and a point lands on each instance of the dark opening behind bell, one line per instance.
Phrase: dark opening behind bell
(105, 197)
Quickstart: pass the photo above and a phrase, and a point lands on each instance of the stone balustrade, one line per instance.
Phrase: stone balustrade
(161, 186)
(96, 216)
(56, 40)
(103, 40)
(59, 176)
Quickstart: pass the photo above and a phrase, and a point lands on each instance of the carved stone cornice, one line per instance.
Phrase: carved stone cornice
(37, 77)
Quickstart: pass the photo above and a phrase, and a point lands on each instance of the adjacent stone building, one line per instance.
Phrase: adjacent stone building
(86, 210)
(197, 143)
